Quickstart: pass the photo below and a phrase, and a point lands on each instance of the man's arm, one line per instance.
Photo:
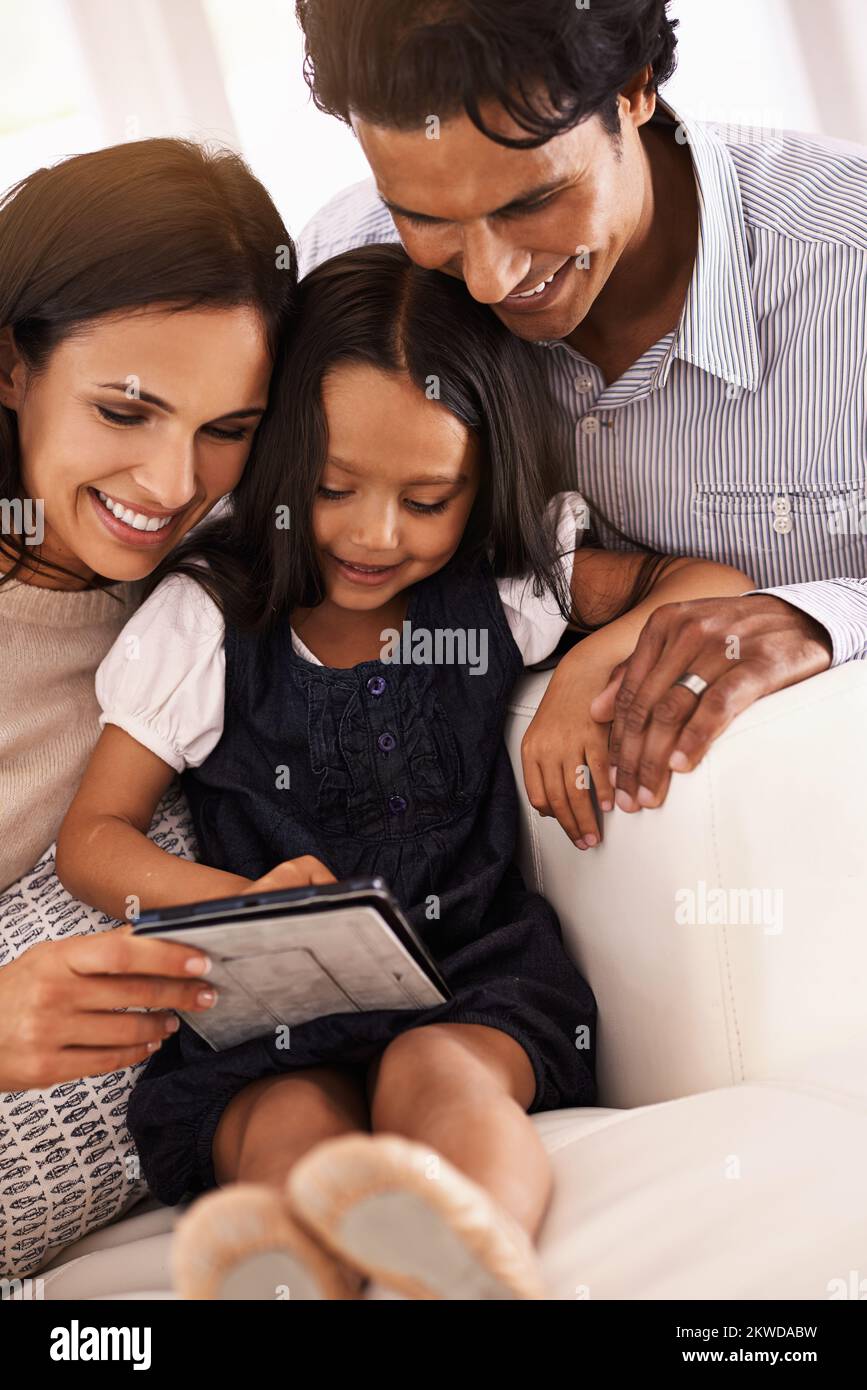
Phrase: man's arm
(840, 605)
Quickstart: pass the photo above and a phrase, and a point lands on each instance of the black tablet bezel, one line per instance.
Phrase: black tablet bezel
(316, 897)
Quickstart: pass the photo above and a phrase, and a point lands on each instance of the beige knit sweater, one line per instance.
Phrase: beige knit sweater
(51, 642)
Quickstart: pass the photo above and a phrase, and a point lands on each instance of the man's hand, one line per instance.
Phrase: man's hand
(744, 647)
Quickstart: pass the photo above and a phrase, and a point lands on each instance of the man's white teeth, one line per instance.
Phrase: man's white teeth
(527, 294)
(134, 519)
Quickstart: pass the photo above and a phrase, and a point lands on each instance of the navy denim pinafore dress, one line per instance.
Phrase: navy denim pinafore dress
(398, 770)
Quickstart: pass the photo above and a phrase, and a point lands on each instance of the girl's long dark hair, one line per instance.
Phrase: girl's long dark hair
(153, 221)
(373, 305)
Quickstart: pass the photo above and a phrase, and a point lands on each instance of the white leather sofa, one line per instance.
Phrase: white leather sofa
(726, 1158)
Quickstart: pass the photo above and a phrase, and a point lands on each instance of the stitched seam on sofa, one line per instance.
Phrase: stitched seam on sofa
(723, 939)
(519, 707)
(535, 849)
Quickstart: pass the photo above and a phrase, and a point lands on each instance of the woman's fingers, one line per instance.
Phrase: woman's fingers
(72, 1063)
(97, 994)
(114, 1029)
(119, 952)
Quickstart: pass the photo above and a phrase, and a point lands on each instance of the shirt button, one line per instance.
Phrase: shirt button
(782, 506)
(782, 525)
(376, 685)
(583, 383)
(386, 742)
(589, 425)
(396, 804)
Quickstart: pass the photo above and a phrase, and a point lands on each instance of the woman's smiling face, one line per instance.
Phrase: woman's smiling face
(153, 410)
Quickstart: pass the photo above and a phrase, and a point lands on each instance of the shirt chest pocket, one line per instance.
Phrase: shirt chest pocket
(786, 534)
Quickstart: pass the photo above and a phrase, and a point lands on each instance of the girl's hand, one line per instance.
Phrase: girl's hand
(564, 749)
(292, 873)
(57, 1003)
(560, 738)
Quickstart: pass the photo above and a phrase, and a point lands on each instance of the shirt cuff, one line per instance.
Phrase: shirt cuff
(840, 605)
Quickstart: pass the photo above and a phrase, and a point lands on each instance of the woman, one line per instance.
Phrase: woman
(145, 292)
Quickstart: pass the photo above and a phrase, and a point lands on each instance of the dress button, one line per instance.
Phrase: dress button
(589, 425)
(376, 685)
(782, 525)
(386, 742)
(396, 804)
(583, 383)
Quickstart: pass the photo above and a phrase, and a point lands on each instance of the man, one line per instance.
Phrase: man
(700, 297)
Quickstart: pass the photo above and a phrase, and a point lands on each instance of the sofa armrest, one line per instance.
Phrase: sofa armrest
(724, 934)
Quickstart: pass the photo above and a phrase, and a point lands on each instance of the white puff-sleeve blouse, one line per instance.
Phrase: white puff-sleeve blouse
(163, 679)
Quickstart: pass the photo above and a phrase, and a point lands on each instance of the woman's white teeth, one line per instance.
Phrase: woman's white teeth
(134, 519)
(527, 294)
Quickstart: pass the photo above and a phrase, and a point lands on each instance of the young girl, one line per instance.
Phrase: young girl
(391, 1144)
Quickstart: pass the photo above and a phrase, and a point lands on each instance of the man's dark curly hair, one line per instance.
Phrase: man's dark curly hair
(548, 63)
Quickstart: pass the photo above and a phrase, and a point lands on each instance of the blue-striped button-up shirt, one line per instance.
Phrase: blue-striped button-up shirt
(742, 435)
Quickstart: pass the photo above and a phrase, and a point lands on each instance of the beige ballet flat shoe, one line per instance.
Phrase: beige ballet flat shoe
(242, 1242)
(407, 1218)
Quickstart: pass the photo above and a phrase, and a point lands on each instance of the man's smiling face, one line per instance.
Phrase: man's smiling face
(506, 220)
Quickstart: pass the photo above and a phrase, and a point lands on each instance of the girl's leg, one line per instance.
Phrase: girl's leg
(464, 1088)
(241, 1240)
(268, 1125)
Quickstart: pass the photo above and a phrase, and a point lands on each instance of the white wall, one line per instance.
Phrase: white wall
(77, 74)
(787, 64)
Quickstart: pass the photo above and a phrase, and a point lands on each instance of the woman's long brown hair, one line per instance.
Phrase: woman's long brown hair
(153, 221)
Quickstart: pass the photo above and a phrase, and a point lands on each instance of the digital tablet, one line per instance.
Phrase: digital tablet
(282, 958)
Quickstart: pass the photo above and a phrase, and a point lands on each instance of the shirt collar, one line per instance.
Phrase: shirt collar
(717, 330)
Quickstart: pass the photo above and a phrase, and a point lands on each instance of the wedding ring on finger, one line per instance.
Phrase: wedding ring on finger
(697, 685)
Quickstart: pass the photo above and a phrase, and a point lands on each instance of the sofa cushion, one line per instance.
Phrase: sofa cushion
(752, 1191)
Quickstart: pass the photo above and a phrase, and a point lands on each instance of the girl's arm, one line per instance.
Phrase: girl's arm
(104, 856)
(602, 579)
(564, 749)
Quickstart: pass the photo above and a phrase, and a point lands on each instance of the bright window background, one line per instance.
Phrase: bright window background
(78, 74)
(46, 102)
(300, 155)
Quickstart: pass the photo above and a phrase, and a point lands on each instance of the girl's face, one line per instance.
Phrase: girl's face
(397, 488)
(135, 429)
